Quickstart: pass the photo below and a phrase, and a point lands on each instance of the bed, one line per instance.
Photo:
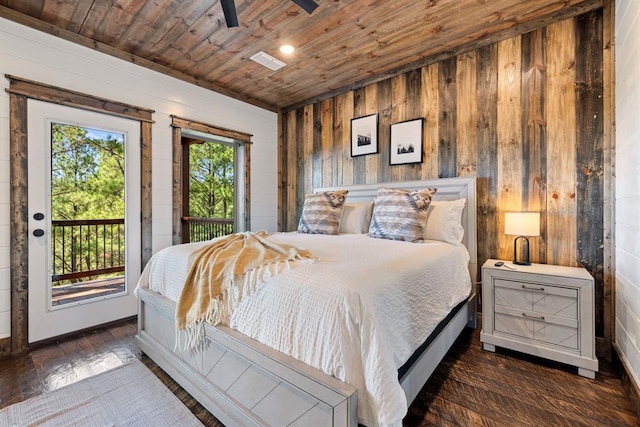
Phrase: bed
(244, 381)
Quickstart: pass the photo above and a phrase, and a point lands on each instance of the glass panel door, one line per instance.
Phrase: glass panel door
(84, 218)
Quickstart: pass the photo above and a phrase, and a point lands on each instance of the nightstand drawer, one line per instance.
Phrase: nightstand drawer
(538, 330)
(544, 299)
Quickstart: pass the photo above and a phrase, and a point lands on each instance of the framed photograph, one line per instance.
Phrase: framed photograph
(364, 135)
(406, 142)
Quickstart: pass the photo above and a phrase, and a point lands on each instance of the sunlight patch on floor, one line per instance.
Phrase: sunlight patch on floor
(70, 373)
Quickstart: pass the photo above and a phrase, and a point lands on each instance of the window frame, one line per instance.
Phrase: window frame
(189, 128)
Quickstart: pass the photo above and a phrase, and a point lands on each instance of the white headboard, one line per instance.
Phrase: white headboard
(448, 189)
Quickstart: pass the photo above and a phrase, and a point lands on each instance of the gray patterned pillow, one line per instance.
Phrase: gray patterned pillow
(400, 214)
(321, 212)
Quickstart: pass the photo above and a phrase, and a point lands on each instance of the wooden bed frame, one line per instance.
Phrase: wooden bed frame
(243, 382)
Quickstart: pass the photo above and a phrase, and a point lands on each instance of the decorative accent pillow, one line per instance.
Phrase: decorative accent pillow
(321, 212)
(400, 214)
(356, 218)
(444, 221)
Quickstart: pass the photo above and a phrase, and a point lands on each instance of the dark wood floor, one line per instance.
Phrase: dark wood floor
(471, 387)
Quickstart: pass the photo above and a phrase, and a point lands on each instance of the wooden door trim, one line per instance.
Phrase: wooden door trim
(18, 217)
(179, 122)
(20, 90)
(57, 95)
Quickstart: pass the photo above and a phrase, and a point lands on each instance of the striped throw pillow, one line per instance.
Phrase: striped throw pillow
(400, 214)
(321, 212)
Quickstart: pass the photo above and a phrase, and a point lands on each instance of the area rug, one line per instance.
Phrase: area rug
(129, 395)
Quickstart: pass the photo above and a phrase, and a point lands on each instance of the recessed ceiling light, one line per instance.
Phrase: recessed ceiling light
(287, 49)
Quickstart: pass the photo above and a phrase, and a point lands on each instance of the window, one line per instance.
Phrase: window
(87, 213)
(211, 188)
(209, 192)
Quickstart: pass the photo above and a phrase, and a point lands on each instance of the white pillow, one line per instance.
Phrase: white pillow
(355, 218)
(444, 221)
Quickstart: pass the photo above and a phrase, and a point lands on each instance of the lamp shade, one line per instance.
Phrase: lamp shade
(522, 223)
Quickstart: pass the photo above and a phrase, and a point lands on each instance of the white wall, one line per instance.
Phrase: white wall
(628, 183)
(40, 57)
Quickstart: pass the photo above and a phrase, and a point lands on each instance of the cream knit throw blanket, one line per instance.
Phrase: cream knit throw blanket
(222, 273)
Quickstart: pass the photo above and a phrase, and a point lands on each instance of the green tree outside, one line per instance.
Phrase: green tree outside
(87, 183)
(211, 185)
(87, 173)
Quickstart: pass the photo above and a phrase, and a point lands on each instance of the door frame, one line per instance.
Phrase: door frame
(20, 90)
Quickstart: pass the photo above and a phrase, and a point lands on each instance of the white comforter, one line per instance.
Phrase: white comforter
(357, 314)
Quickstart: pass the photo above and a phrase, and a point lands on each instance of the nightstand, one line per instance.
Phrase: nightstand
(543, 310)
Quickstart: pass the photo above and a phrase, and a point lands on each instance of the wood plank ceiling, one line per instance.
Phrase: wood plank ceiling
(342, 45)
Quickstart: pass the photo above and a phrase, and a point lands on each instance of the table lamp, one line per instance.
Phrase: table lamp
(523, 225)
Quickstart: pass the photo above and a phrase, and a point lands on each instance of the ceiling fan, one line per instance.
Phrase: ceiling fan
(230, 15)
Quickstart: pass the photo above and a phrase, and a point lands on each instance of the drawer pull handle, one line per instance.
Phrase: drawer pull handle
(533, 288)
(533, 317)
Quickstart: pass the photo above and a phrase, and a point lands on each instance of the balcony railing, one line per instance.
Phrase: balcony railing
(199, 229)
(94, 247)
(87, 248)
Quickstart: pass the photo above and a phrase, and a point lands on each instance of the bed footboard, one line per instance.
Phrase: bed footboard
(241, 381)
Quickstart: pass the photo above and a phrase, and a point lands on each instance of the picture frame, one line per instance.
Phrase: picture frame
(364, 135)
(406, 142)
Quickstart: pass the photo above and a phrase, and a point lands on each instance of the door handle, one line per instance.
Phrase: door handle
(38, 232)
(38, 216)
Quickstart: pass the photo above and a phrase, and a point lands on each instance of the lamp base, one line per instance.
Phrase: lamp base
(521, 260)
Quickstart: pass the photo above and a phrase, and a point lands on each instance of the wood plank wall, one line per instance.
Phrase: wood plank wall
(524, 116)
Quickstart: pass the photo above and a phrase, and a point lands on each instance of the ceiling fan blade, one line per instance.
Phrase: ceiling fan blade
(308, 5)
(230, 15)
